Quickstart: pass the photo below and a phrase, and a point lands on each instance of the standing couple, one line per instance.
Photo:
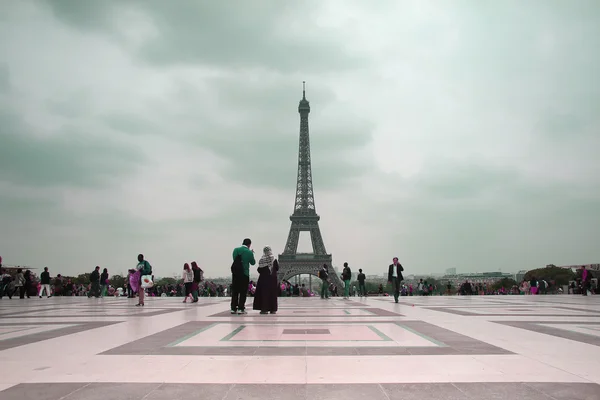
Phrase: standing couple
(265, 297)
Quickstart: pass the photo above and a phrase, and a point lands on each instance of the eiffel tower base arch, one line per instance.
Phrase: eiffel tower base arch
(306, 264)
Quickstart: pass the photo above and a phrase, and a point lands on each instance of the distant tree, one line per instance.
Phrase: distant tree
(117, 280)
(561, 276)
(506, 283)
(165, 281)
(82, 279)
(440, 287)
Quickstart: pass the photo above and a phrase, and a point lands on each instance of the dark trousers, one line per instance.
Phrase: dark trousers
(239, 290)
(188, 288)
(129, 291)
(21, 290)
(4, 290)
(396, 287)
(362, 289)
(585, 286)
(94, 290)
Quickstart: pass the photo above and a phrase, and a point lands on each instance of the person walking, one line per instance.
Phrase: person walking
(586, 281)
(395, 277)
(143, 268)
(45, 283)
(104, 282)
(346, 277)
(20, 284)
(243, 257)
(362, 289)
(324, 276)
(95, 283)
(130, 273)
(188, 282)
(5, 281)
(28, 283)
(197, 279)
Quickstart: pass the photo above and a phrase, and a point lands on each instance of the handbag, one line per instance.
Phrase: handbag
(147, 281)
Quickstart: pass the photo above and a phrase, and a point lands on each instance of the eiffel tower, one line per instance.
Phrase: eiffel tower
(305, 217)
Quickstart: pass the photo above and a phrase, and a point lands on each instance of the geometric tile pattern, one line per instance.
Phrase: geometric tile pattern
(57, 312)
(21, 334)
(326, 312)
(504, 311)
(254, 338)
(441, 347)
(584, 332)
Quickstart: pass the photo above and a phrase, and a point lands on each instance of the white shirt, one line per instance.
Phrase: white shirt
(188, 276)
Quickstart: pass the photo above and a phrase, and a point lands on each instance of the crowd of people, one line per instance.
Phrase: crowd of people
(140, 283)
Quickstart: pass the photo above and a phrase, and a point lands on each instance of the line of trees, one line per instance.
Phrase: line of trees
(560, 276)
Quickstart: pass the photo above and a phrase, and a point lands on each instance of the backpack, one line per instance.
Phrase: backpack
(147, 270)
(237, 268)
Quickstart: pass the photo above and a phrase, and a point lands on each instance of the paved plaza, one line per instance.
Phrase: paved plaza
(480, 347)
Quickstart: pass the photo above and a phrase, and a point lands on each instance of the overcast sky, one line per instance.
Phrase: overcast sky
(448, 133)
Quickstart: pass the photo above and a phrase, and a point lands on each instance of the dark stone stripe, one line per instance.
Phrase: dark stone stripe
(383, 391)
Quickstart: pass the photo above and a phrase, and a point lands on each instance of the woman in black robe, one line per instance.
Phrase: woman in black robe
(265, 296)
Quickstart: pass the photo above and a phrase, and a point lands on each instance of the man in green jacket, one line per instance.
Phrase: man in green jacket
(240, 270)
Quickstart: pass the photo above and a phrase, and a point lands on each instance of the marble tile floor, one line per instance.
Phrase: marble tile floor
(485, 347)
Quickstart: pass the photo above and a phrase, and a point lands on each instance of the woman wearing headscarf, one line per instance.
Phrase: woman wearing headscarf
(266, 288)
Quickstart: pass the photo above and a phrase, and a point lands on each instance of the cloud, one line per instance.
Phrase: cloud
(71, 158)
(240, 35)
(449, 134)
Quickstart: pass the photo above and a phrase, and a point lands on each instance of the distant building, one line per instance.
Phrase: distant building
(451, 271)
(519, 276)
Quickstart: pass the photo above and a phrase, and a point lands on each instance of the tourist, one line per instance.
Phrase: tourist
(143, 268)
(197, 279)
(362, 289)
(420, 287)
(45, 283)
(20, 284)
(265, 295)
(324, 275)
(69, 288)
(5, 280)
(188, 281)
(28, 283)
(533, 285)
(130, 292)
(95, 283)
(395, 277)
(58, 285)
(346, 277)
(243, 257)
(104, 282)
(586, 279)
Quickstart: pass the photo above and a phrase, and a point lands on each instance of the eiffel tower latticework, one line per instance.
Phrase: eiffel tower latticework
(305, 217)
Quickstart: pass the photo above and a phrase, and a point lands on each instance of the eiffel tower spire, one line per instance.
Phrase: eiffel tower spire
(305, 200)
